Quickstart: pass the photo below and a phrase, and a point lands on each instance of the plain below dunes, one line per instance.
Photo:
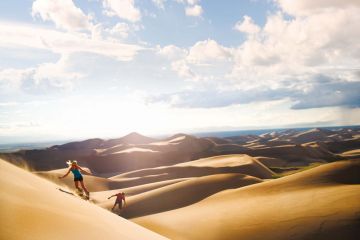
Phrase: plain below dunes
(320, 203)
(32, 208)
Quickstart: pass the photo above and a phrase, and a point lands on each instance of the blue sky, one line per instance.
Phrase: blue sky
(75, 69)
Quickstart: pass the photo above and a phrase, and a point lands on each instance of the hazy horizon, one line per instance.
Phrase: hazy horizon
(30, 143)
(76, 69)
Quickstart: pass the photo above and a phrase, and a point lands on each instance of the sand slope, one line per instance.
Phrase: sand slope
(183, 193)
(32, 208)
(235, 163)
(321, 203)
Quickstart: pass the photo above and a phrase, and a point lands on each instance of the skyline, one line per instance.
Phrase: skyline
(104, 68)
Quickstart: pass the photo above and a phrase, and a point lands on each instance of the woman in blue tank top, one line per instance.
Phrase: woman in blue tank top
(75, 169)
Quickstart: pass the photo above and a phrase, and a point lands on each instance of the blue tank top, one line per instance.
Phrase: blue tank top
(76, 173)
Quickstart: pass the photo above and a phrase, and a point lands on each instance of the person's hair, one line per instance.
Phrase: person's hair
(71, 162)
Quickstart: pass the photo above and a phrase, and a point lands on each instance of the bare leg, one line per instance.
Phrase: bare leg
(77, 186)
(83, 187)
(114, 206)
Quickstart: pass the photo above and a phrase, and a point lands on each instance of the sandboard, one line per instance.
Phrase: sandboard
(76, 193)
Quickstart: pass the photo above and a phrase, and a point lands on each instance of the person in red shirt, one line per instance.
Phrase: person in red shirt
(119, 198)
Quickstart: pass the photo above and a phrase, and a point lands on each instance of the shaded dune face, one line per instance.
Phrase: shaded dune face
(236, 163)
(321, 203)
(184, 193)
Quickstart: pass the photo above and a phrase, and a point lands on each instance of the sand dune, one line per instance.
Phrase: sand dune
(183, 193)
(237, 163)
(32, 208)
(295, 155)
(101, 196)
(351, 153)
(321, 203)
(272, 162)
(134, 151)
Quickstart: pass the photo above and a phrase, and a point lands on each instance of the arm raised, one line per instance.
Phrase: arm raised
(84, 171)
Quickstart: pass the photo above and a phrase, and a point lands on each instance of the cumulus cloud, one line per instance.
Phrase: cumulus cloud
(196, 62)
(194, 11)
(184, 71)
(172, 52)
(124, 9)
(311, 59)
(120, 29)
(15, 35)
(11, 78)
(319, 42)
(159, 3)
(307, 7)
(192, 7)
(63, 13)
(247, 26)
(44, 77)
(208, 51)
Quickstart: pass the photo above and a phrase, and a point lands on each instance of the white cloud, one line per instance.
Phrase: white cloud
(41, 78)
(12, 78)
(307, 7)
(247, 26)
(192, 7)
(184, 71)
(63, 13)
(194, 11)
(208, 51)
(204, 61)
(124, 9)
(13, 35)
(56, 74)
(120, 29)
(159, 3)
(295, 48)
(311, 59)
(172, 52)
(193, 2)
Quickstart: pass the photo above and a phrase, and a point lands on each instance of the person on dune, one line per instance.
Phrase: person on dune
(76, 170)
(119, 198)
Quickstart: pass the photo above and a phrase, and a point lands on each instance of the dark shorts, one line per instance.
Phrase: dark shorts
(120, 203)
(78, 179)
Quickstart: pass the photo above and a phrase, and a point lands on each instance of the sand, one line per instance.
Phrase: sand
(32, 208)
(321, 203)
(182, 194)
(184, 187)
(235, 163)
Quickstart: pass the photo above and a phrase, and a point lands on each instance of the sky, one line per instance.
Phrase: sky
(76, 69)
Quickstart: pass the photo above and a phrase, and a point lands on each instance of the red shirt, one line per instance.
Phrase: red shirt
(120, 197)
